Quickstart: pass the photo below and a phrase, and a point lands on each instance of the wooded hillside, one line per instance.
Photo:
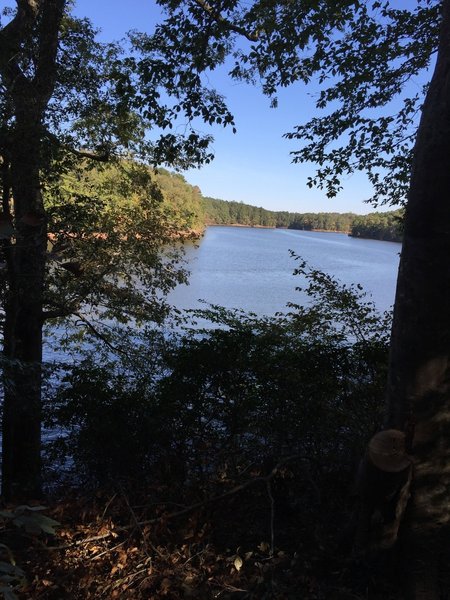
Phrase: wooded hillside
(190, 210)
(110, 183)
(381, 226)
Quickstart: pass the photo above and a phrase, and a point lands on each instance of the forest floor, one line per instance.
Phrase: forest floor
(238, 548)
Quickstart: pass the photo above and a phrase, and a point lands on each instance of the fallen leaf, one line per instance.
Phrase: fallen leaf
(165, 585)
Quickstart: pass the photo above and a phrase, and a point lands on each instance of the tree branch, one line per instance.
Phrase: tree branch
(12, 37)
(57, 313)
(252, 37)
(88, 154)
(13, 33)
(99, 157)
(98, 334)
(45, 77)
(239, 488)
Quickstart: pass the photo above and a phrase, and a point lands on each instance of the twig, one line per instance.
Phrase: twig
(252, 37)
(97, 333)
(108, 504)
(272, 517)
(239, 488)
(94, 538)
(107, 551)
(232, 492)
(97, 156)
(138, 526)
(192, 557)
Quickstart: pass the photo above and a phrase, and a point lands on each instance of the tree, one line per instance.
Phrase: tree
(418, 389)
(376, 51)
(112, 257)
(21, 150)
(66, 97)
(364, 56)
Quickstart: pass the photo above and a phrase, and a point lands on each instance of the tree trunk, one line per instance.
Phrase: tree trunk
(29, 91)
(419, 373)
(23, 322)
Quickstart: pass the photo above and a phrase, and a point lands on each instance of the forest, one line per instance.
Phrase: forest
(385, 226)
(149, 452)
(193, 212)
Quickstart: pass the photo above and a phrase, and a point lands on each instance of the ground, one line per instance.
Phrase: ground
(238, 547)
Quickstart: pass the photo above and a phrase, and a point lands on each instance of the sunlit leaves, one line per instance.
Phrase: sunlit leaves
(367, 63)
(112, 250)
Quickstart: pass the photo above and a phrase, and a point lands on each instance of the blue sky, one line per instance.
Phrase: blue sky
(253, 165)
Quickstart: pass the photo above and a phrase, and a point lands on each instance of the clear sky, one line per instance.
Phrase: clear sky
(253, 165)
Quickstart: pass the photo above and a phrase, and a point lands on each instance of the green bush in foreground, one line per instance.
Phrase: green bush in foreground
(195, 407)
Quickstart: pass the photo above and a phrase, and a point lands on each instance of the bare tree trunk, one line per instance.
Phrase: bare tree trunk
(29, 94)
(23, 324)
(419, 374)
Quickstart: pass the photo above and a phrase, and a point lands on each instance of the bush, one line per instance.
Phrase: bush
(247, 391)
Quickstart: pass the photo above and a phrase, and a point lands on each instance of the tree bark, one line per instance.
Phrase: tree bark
(26, 254)
(419, 373)
(23, 327)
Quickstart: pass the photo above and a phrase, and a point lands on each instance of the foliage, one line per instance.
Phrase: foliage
(382, 226)
(113, 243)
(114, 428)
(186, 408)
(107, 97)
(184, 200)
(31, 520)
(110, 226)
(365, 59)
(67, 98)
(227, 447)
(221, 212)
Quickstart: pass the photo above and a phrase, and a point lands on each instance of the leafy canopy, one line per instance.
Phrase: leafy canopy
(114, 250)
(111, 103)
(112, 99)
(370, 60)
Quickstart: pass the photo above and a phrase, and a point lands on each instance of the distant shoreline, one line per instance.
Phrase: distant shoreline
(272, 227)
(382, 226)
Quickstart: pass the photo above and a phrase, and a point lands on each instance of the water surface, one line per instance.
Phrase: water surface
(251, 268)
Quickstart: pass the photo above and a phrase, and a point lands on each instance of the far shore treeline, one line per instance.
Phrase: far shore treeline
(192, 212)
(385, 226)
(198, 211)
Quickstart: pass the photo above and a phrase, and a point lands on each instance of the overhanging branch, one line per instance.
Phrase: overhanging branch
(98, 333)
(252, 37)
(57, 313)
(97, 156)
(12, 34)
(104, 157)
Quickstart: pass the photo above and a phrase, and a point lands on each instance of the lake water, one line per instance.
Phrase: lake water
(250, 268)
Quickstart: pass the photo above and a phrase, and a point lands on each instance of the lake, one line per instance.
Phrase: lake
(251, 268)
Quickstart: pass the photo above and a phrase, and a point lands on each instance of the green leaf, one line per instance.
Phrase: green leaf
(8, 593)
(46, 524)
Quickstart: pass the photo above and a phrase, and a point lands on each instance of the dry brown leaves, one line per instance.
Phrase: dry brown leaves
(100, 557)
